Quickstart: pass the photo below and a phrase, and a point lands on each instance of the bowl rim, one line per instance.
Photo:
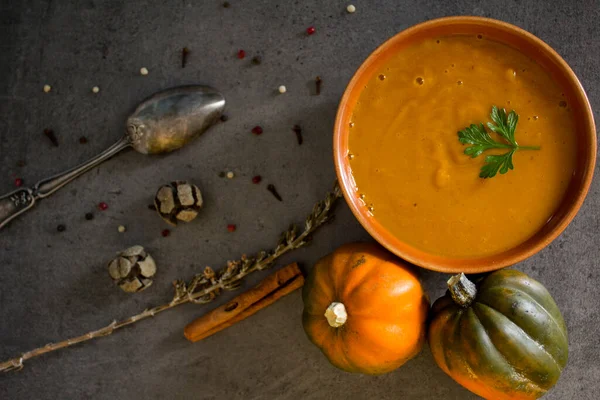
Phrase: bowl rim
(450, 264)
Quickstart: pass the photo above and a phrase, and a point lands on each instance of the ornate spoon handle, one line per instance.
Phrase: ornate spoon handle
(21, 200)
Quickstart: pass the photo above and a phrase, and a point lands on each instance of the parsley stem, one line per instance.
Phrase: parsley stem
(528, 147)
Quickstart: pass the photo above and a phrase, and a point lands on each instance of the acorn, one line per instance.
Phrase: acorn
(178, 201)
(132, 270)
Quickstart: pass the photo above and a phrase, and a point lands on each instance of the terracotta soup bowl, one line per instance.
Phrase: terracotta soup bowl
(541, 56)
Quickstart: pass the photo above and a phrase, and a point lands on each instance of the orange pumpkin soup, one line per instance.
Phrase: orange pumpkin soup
(411, 170)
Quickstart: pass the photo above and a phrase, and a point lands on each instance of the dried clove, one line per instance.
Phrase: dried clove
(184, 55)
(50, 135)
(271, 188)
(298, 131)
(318, 83)
(256, 60)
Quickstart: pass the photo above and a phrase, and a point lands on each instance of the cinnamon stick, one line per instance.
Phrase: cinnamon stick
(275, 286)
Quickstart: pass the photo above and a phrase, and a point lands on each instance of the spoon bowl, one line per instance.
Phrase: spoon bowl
(168, 120)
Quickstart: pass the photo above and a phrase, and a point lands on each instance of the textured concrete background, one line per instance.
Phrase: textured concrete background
(54, 285)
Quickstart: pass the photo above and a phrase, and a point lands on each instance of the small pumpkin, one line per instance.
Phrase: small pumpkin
(365, 309)
(503, 338)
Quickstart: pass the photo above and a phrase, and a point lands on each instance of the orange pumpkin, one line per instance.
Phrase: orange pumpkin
(365, 309)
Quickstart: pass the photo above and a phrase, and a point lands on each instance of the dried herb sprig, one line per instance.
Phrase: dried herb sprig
(205, 287)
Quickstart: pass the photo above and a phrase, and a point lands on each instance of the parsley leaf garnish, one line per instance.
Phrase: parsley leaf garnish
(504, 125)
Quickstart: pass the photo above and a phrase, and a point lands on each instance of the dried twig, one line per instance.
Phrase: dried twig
(184, 56)
(271, 188)
(205, 287)
(51, 136)
(298, 131)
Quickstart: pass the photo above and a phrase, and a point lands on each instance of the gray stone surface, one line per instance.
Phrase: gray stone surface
(54, 285)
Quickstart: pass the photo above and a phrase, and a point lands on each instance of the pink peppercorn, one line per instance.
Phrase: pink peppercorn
(102, 206)
(241, 54)
(256, 180)
(18, 182)
(310, 30)
(257, 130)
(231, 227)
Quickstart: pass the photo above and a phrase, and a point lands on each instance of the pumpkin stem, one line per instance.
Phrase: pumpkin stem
(462, 290)
(336, 314)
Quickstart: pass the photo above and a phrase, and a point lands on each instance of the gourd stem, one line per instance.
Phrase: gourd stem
(336, 314)
(462, 290)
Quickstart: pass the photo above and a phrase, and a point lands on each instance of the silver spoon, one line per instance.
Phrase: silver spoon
(162, 123)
